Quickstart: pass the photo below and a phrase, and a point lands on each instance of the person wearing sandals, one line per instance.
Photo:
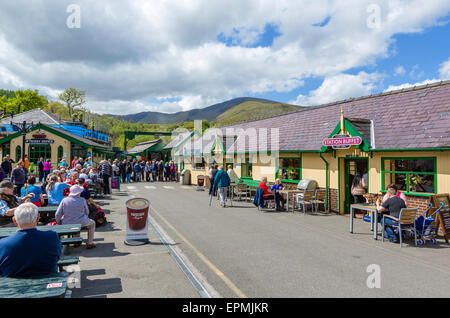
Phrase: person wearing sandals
(74, 210)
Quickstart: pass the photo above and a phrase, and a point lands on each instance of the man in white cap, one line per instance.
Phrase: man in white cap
(73, 209)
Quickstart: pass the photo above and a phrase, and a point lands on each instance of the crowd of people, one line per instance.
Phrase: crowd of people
(141, 170)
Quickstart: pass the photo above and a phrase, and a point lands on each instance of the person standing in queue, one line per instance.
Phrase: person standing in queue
(41, 169)
(212, 176)
(18, 177)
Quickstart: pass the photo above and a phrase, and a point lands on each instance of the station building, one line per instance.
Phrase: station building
(403, 138)
(52, 138)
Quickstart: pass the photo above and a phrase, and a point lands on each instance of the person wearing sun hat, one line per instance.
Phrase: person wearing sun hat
(73, 209)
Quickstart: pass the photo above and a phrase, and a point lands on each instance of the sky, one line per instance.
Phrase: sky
(177, 55)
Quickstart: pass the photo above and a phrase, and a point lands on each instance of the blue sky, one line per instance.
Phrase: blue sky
(419, 54)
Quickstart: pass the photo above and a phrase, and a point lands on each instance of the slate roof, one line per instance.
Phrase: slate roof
(35, 115)
(417, 117)
(178, 140)
(142, 146)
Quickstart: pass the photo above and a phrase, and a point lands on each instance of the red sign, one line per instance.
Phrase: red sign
(39, 136)
(346, 141)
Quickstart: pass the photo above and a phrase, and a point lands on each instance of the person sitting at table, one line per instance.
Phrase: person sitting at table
(30, 187)
(55, 190)
(61, 175)
(391, 209)
(86, 194)
(268, 194)
(278, 186)
(73, 209)
(9, 202)
(399, 194)
(29, 252)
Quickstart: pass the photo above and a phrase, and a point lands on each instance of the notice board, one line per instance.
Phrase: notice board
(443, 220)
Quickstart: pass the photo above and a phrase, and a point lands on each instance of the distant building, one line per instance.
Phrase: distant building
(51, 138)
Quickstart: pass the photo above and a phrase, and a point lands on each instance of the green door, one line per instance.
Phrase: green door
(351, 167)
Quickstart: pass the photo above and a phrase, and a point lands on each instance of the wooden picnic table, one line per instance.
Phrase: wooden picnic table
(47, 213)
(48, 286)
(66, 229)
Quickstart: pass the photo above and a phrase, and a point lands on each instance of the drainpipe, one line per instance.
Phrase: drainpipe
(326, 181)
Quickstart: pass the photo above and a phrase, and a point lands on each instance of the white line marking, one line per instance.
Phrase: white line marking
(150, 187)
(168, 187)
(185, 187)
(131, 187)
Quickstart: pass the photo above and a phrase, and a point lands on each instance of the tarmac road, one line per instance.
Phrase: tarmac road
(242, 252)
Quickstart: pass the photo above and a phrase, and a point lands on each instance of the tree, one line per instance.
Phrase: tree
(25, 100)
(73, 99)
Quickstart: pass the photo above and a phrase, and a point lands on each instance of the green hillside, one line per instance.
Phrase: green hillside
(252, 110)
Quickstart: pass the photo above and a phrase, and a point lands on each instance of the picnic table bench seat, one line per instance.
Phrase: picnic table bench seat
(65, 261)
(71, 240)
(53, 285)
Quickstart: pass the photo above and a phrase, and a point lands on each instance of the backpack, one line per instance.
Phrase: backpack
(97, 215)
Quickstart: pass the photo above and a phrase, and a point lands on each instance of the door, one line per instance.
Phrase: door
(351, 167)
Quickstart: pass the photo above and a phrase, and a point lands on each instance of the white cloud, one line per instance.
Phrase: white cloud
(408, 85)
(340, 87)
(126, 53)
(399, 71)
(444, 71)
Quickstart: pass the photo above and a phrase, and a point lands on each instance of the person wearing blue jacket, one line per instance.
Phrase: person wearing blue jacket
(222, 182)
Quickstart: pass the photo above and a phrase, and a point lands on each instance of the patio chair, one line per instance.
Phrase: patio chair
(305, 199)
(319, 198)
(242, 189)
(406, 222)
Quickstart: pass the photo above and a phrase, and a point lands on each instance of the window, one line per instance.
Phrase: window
(18, 153)
(411, 175)
(289, 169)
(35, 152)
(247, 169)
(60, 152)
(199, 164)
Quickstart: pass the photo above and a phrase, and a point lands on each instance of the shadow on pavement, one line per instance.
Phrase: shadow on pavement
(103, 250)
(96, 287)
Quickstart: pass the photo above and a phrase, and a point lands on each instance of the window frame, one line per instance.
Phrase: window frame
(288, 168)
(407, 173)
(244, 167)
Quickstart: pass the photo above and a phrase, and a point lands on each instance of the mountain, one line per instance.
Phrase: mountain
(243, 108)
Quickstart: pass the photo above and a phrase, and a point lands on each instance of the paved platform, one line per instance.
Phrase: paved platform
(242, 252)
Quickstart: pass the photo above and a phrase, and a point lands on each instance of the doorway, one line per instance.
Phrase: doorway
(352, 166)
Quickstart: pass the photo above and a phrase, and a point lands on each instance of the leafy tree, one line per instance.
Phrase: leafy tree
(25, 100)
(73, 99)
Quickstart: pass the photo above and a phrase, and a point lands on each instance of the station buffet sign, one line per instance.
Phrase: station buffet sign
(342, 141)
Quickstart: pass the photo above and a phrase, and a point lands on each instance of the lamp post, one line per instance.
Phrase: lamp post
(23, 129)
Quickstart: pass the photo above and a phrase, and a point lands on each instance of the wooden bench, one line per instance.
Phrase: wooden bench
(65, 261)
(48, 286)
(67, 241)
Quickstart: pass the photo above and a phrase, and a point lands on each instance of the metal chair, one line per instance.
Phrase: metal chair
(319, 198)
(305, 199)
(405, 221)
